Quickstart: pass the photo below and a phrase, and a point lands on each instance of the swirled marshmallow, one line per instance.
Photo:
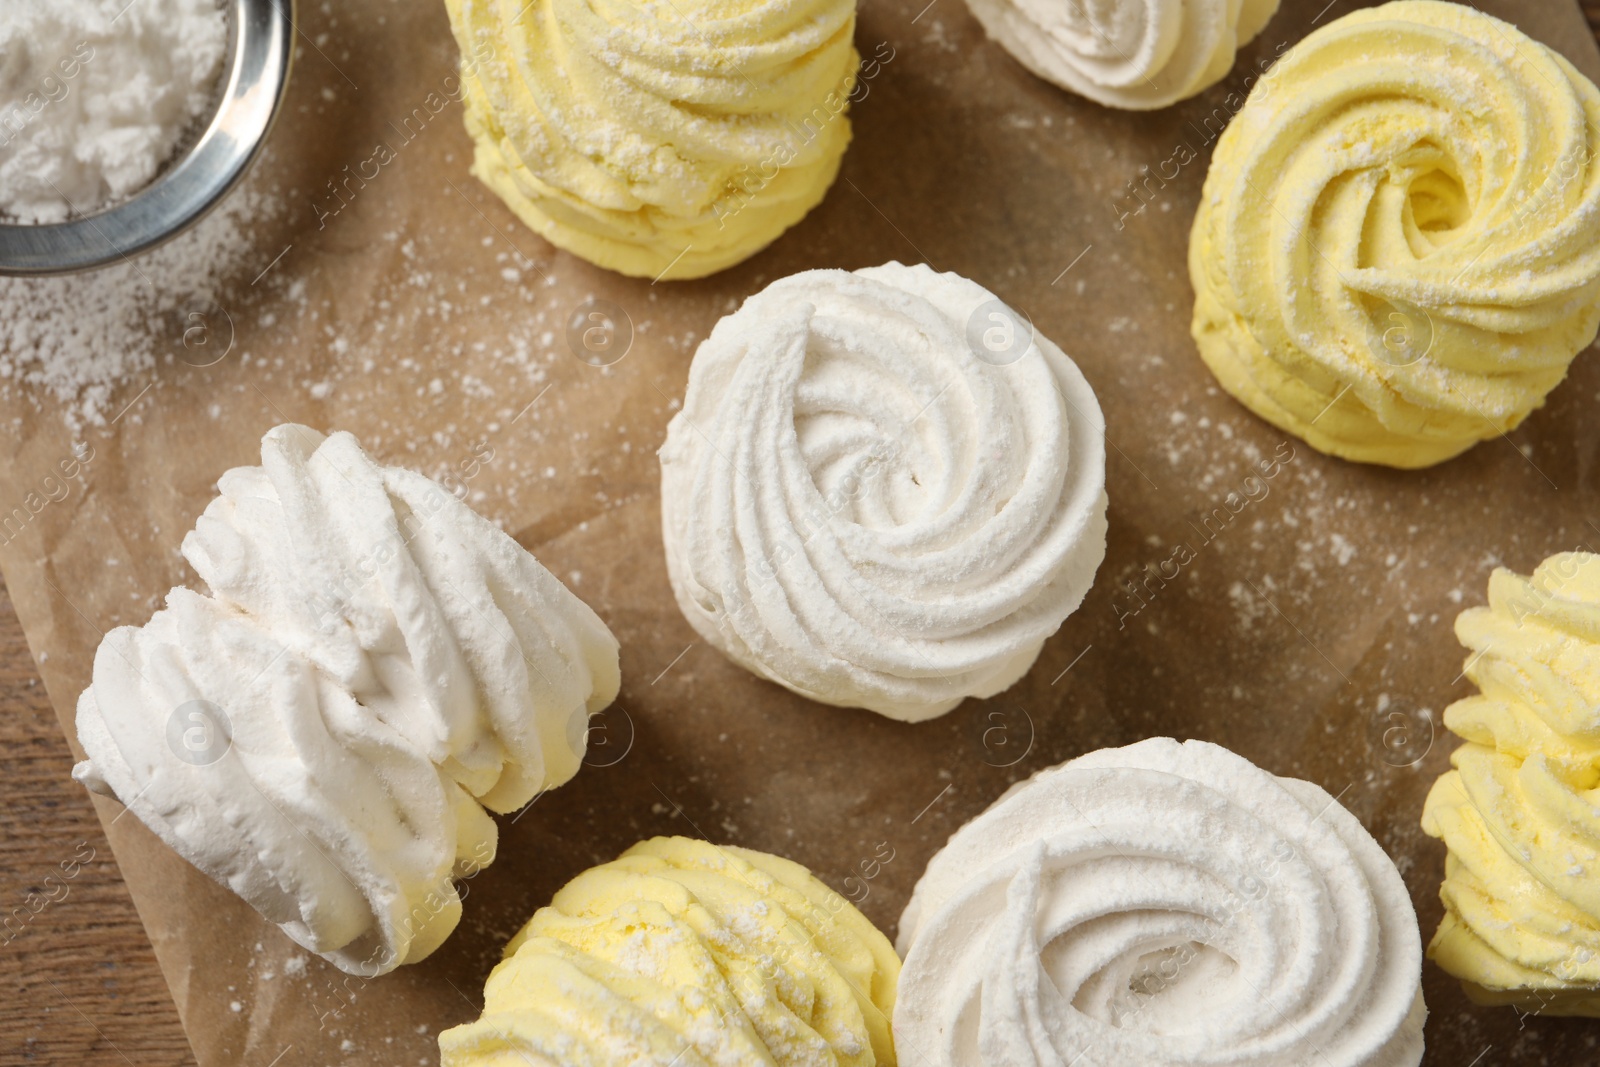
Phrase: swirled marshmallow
(681, 953)
(1397, 251)
(376, 665)
(1161, 904)
(883, 491)
(659, 140)
(1522, 909)
(1135, 54)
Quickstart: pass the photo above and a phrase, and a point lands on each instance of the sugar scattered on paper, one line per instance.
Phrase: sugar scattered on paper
(75, 339)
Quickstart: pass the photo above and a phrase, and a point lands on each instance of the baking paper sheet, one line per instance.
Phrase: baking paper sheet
(1308, 627)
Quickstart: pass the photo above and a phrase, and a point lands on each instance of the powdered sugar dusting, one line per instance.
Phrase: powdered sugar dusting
(75, 339)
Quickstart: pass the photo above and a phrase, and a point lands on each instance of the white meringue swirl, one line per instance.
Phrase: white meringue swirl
(1161, 904)
(857, 506)
(377, 665)
(1134, 54)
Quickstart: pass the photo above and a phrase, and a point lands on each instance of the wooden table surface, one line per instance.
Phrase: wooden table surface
(78, 978)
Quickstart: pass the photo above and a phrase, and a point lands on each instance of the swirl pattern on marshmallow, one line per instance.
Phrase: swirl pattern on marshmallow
(882, 490)
(1161, 904)
(1397, 251)
(375, 666)
(659, 140)
(1522, 908)
(1134, 54)
(681, 953)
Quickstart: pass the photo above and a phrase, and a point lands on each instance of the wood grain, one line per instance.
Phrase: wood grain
(77, 973)
(75, 964)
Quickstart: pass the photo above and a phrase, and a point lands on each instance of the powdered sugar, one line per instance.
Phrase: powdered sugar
(95, 96)
(78, 337)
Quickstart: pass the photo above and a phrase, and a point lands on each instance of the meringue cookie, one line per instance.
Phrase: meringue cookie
(376, 665)
(685, 954)
(1397, 251)
(664, 141)
(1522, 911)
(865, 500)
(1163, 903)
(1135, 54)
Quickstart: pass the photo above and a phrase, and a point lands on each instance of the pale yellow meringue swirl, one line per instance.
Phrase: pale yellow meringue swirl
(1521, 812)
(1397, 252)
(667, 139)
(681, 953)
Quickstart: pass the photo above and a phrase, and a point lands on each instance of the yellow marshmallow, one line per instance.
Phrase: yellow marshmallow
(1397, 250)
(688, 954)
(1520, 812)
(658, 140)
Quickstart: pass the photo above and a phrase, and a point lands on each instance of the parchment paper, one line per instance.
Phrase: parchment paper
(1310, 632)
